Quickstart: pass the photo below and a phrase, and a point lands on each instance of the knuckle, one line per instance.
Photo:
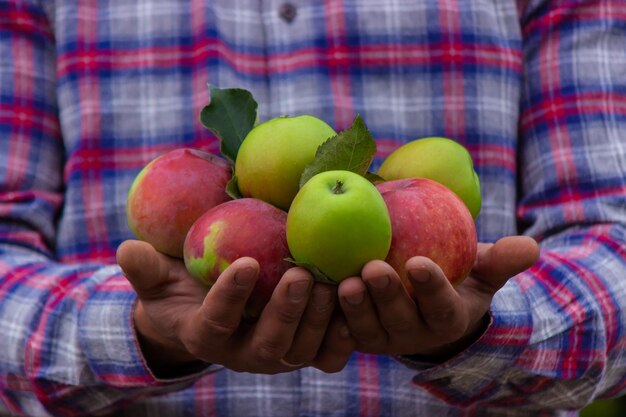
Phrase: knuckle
(288, 316)
(322, 310)
(323, 300)
(215, 330)
(269, 351)
(234, 295)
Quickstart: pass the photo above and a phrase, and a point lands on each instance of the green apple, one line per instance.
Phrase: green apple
(439, 159)
(337, 222)
(274, 154)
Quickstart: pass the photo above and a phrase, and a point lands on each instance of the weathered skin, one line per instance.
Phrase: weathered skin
(171, 192)
(427, 219)
(238, 228)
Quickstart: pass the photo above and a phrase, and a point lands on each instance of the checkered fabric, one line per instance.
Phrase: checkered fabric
(90, 91)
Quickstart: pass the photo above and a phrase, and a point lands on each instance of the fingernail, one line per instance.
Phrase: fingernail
(379, 282)
(245, 277)
(298, 290)
(421, 276)
(289, 364)
(355, 299)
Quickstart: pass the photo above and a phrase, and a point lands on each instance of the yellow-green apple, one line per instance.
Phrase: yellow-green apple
(273, 156)
(337, 222)
(439, 159)
(427, 219)
(238, 228)
(171, 192)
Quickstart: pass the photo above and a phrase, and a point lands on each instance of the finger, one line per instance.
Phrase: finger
(496, 263)
(313, 325)
(337, 347)
(146, 269)
(361, 316)
(439, 304)
(277, 325)
(396, 309)
(221, 313)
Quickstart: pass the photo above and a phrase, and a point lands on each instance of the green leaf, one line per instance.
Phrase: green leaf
(317, 274)
(352, 150)
(232, 189)
(231, 114)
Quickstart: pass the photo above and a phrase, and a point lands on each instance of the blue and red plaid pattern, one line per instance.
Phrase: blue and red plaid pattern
(90, 91)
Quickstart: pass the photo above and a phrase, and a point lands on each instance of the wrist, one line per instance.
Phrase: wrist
(165, 358)
(445, 352)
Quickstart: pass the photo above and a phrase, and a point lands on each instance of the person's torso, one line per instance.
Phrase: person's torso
(132, 79)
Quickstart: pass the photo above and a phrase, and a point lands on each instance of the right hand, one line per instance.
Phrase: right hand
(181, 325)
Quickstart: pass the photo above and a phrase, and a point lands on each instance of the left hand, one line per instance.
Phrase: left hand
(181, 325)
(439, 320)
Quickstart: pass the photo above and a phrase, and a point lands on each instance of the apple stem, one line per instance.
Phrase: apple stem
(338, 188)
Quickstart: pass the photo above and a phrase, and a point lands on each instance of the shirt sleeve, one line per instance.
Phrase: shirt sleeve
(67, 344)
(556, 338)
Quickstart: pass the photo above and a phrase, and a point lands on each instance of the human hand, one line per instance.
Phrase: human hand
(181, 325)
(439, 320)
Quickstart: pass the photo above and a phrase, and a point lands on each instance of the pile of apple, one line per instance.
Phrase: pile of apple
(291, 191)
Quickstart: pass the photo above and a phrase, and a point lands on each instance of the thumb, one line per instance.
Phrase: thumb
(504, 259)
(145, 268)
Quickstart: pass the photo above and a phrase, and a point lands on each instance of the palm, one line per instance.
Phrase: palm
(175, 300)
(178, 319)
(391, 321)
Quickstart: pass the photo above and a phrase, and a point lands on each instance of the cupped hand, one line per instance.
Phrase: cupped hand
(181, 324)
(438, 320)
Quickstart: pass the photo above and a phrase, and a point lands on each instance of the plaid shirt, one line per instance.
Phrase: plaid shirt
(90, 91)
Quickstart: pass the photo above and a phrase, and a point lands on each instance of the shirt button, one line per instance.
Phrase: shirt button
(287, 12)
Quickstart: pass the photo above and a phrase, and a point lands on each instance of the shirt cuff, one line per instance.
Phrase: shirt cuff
(474, 374)
(109, 342)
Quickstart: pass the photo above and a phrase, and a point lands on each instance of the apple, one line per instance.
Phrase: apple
(238, 228)
(273, 155)
(171, 192)
(428, 219)
(337, 222)
(440, 159)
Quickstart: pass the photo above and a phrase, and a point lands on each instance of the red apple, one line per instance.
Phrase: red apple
(238, 228)
(428, 219)
(171, 192)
